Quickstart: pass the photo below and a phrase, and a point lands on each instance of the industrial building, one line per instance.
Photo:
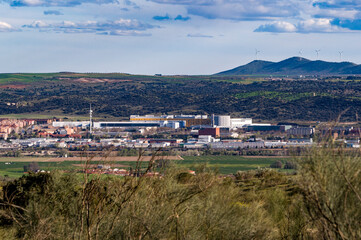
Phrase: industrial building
(81, 124)
(241, 122)
(301, 131)
(124, 124)
(225, 121)
(221, 121)
(214, 132)
(183, 120)
(169, 124)
(261, 128)
(171, 121)
(236, 145)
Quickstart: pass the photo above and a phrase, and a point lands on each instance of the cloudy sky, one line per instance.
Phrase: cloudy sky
(173, 36)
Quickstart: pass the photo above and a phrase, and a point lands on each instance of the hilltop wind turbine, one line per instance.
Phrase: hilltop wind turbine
(340, 52)
(317, 52)
(300, 52)
(256, 52)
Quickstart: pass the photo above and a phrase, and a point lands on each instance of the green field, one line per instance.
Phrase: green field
(230, 164)
(43, 116)
(16, 168)
(223, 164)
(6, 78)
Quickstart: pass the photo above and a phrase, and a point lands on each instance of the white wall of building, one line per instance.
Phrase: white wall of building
(71, 124)
(240, 122)
(222, 121)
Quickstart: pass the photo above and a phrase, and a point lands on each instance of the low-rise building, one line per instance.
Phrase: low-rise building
(240, 122)
(188, 120)
(214, 132)
(301, 131)
(276, 128)
(236, 145)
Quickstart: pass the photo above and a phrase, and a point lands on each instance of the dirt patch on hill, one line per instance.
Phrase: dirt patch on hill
(96, 165)
(245, 156)
(99, 80)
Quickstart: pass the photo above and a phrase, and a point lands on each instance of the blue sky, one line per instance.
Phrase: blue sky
(172, 36)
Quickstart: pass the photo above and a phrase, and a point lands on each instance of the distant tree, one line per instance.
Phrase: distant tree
(277, 164)
(63, 152)
(31, 167)
(16, 153)
(290, 165)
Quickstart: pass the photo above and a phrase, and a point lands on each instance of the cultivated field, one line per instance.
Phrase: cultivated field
(14, 167)
(231, 164)
(82, 159)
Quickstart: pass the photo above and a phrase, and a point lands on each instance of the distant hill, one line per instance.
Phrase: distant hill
(295, 66)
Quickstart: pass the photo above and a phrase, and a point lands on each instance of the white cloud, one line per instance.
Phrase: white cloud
(185, 2)
(31, 2)
(316, 14)
(199, 35)
(239, 9)
(121, 27)
(38, 24)
(53, 12)
(54, 3)
(318, 25)
(338, 4)
(6, 27)
(278, 27)
(128, 33)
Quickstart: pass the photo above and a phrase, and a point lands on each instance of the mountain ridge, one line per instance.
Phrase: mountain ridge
(294, 66)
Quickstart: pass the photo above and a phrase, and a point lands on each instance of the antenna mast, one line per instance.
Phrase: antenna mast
(90, 119)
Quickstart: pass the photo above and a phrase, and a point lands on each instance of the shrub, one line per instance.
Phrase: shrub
(290, 165)
(330, 182)
(62, 206)
(277, 164)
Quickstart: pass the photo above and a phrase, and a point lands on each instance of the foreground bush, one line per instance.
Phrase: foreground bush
(60, 206)
(321, 201)
(330, 183)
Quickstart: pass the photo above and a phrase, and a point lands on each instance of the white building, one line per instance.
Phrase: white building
(301, 131)
(160, 145)
(225, 121)
(300, 142)
(82, 124)
(240, 122)
(235, 145)
(275, 144)
(124, 124)
(221, 121)
(206, 139)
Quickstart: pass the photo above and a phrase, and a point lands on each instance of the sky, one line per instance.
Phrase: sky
(173, 36)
